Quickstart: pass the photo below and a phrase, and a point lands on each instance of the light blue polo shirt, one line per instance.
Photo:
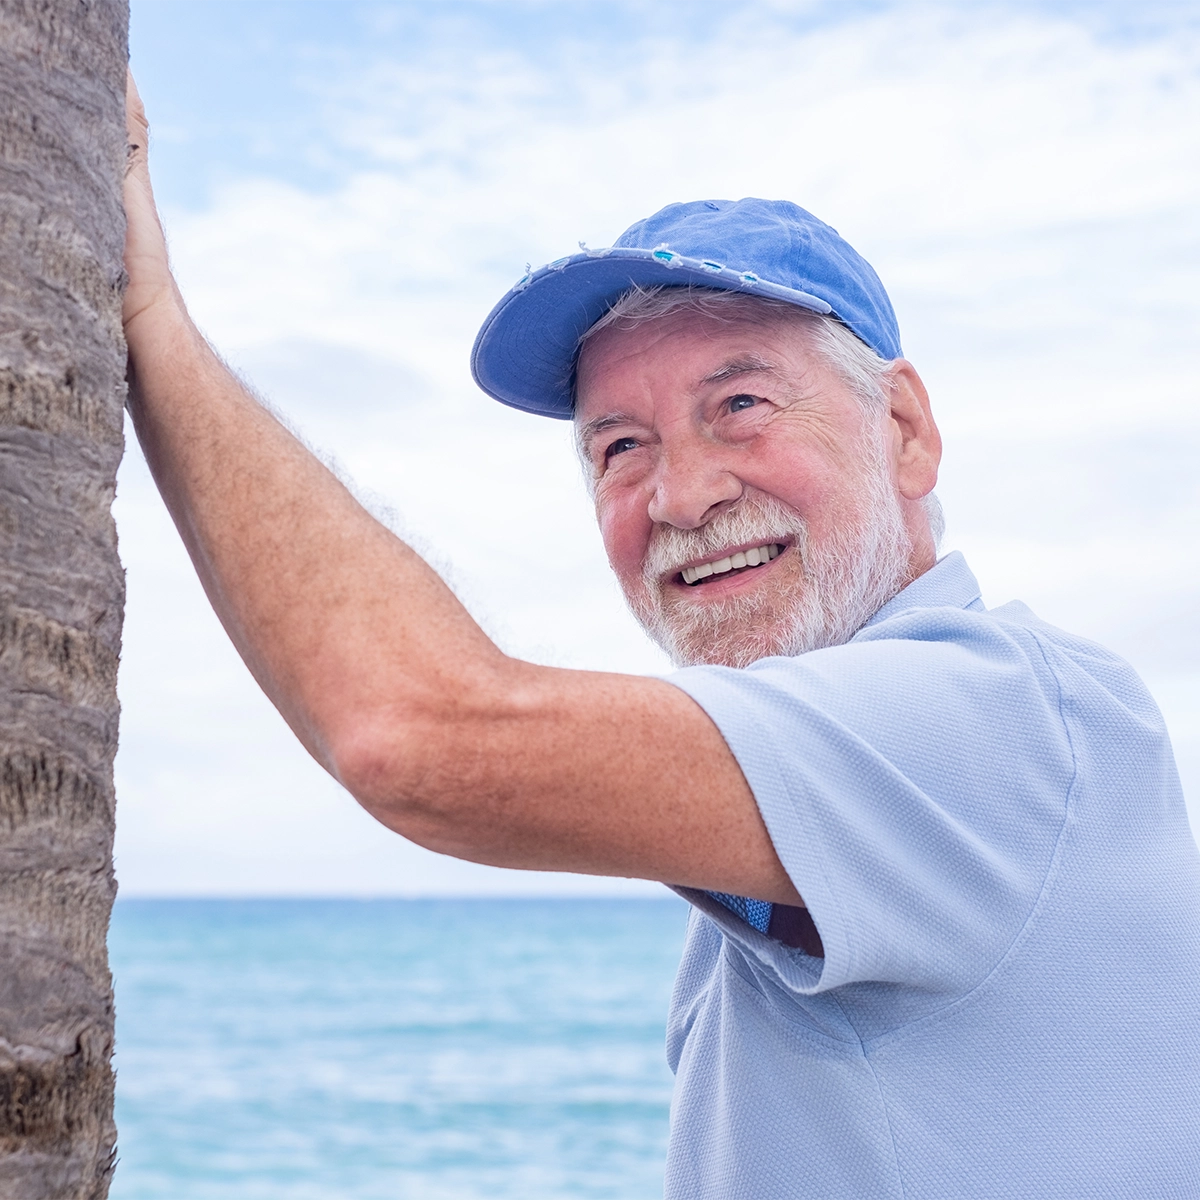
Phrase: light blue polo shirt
(984, 818)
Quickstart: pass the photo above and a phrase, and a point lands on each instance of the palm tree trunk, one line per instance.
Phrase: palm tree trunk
(62, 366)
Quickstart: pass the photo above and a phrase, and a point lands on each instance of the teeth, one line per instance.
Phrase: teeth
(735, 562)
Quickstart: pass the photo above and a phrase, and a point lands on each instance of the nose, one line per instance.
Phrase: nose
(690, 487)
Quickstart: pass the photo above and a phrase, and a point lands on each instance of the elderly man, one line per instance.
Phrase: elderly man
(945, 935)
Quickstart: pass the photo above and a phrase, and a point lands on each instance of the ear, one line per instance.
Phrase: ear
(917, 443)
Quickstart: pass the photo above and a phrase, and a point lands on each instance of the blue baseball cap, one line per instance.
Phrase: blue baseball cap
(525, 353)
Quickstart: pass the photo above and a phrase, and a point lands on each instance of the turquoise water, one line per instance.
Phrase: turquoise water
(345, 1050)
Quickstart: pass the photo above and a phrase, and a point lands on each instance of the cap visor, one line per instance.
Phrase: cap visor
(524, 355)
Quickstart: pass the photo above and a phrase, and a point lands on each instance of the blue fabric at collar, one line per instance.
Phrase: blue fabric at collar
(949, 583)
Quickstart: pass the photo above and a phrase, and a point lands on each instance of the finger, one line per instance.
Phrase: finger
(137, 128)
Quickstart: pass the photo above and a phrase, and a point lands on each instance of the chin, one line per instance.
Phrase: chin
(735, 651)
(739, 630)
(819, 595)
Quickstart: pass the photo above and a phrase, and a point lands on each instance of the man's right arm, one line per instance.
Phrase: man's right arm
(382, 673)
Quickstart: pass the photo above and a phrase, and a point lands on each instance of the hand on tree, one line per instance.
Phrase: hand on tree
(147, 265)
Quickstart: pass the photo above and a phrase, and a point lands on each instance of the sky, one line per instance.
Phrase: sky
(349, 187)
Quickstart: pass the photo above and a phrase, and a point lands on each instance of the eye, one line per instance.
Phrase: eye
(620, 446)
(741, 402)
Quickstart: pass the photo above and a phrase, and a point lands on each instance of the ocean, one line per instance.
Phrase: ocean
(363, 1050)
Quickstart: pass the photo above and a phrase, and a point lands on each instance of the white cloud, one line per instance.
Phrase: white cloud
(1026, 188)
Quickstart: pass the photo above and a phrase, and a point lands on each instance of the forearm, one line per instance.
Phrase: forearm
(344, 626)
(331, 612)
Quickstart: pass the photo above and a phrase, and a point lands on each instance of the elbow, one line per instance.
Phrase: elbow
(417, 779)
(387, 769)
(439, 766)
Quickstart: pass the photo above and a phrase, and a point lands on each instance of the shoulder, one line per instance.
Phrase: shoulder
(929, 666)
(935, 707)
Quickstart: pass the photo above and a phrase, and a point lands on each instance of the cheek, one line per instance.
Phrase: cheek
(625, 531)
(822, 489)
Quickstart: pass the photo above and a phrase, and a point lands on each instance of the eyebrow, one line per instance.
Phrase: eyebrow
(743, 364)
(597, 426)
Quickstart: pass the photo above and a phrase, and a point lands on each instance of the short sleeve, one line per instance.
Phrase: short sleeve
(914, 783)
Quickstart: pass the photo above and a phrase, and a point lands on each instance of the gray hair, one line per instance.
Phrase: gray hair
(862, 370)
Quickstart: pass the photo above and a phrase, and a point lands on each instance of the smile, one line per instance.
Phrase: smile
(743, 559)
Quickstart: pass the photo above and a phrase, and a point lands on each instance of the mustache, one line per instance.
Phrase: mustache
(752, 520)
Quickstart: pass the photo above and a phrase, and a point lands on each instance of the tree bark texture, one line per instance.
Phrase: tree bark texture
(62, 368)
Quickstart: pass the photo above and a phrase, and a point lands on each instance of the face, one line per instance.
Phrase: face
(747, 501)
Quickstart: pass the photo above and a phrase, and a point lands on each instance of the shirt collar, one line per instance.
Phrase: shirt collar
(949, 583)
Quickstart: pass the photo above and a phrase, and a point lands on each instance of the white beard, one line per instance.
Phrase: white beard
(846, 580)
